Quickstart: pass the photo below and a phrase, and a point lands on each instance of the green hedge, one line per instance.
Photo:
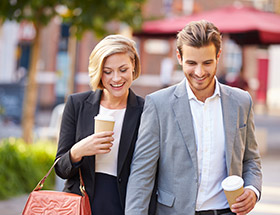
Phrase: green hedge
(22, 166)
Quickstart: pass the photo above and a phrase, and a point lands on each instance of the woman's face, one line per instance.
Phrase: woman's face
(117, 74)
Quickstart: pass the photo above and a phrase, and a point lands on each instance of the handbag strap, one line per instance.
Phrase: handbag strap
(42, 181)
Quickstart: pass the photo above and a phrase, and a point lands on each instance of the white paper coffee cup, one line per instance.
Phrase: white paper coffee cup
(233, 188)
(103, 123)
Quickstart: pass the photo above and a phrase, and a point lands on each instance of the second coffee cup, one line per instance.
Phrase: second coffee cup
(233, 188)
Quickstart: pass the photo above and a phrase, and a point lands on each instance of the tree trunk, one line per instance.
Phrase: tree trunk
(30, 95)
(1, 24)
(72, 49)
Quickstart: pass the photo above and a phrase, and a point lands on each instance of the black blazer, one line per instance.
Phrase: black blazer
(78, 123)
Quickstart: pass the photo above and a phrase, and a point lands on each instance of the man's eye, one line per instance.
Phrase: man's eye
(208, 62)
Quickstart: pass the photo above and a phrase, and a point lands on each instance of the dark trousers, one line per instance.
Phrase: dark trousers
(106, 199)
(226, 211)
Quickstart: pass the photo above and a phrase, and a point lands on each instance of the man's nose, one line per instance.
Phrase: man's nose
(199, 71)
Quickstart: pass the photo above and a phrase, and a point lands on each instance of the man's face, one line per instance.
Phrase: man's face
(199, 66)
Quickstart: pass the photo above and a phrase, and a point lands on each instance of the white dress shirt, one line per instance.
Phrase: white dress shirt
(107, 163)
(210, 140)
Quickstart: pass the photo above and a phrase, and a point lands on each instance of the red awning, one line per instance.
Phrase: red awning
(231, 20)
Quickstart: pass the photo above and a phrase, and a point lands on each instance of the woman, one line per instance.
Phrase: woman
(104, 158)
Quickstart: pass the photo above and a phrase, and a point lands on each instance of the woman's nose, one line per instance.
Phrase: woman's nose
(116, 76)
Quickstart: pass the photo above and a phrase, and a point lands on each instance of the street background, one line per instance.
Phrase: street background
(41, 82)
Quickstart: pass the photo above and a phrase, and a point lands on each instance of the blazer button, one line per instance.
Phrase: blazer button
(120, 180)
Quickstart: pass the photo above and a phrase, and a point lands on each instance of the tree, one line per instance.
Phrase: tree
(81, 15)
(39, 13)
(94, 15)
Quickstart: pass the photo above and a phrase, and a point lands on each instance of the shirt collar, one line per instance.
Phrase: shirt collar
(216, 92)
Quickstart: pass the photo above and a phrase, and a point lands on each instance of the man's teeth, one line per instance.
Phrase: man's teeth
(117, 85)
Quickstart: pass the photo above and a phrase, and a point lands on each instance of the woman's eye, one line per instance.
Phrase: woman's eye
(107, 72)
(123, 70)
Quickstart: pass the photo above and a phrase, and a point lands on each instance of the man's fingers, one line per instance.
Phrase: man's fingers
(243, 196)
(245, 203)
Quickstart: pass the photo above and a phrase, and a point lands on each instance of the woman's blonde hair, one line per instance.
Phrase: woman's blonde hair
(110, 45)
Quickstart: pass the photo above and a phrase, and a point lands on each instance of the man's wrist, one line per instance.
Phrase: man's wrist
(251, 187)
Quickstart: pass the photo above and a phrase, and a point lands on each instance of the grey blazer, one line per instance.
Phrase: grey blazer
(166, 150)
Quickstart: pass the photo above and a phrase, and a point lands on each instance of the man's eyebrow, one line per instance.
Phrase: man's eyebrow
(210, 60)
(190, 61)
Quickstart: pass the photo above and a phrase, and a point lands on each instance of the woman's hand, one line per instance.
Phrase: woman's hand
(99, 143)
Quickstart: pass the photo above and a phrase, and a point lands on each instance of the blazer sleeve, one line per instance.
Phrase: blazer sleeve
(251, 162)
(65, 168)
(144, 162)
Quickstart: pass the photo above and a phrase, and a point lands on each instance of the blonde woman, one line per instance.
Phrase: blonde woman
(104, 158)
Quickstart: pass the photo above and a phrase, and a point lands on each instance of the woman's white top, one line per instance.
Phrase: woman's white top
(107, 163)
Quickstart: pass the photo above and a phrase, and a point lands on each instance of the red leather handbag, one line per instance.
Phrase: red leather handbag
(49, 202)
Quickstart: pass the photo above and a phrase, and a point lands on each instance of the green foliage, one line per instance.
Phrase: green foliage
(23, 165)
(40, 12)
(94, 15)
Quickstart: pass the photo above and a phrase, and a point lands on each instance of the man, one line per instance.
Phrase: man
(193, 135)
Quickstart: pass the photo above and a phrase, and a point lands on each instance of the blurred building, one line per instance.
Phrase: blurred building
(53, 66)
(58, 74)
(254, 64)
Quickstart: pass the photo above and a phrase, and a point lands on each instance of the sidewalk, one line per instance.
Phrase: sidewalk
(13, 206)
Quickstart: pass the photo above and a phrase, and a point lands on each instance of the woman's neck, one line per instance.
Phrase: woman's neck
(111, 102)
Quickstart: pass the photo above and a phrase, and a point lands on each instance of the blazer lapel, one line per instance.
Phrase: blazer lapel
(129, 128)
(230, 115)
(91, 109)
(182, 110)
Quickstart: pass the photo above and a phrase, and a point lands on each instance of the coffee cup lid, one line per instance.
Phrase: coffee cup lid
(104, 117)
(232, 182)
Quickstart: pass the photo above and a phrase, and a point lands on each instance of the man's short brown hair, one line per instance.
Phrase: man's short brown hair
(198, 34)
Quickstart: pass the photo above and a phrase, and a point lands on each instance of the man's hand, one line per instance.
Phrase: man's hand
(245, 203)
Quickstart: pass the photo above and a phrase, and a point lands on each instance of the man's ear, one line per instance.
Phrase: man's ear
(179, 58)
(218, 55)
